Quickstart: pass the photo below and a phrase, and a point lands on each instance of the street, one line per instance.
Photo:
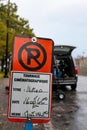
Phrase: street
(69, 114)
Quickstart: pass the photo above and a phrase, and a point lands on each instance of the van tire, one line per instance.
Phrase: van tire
(73, 87)
(61, 95)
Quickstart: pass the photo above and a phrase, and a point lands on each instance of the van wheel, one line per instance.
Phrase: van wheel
(61, 95)
(73, 87)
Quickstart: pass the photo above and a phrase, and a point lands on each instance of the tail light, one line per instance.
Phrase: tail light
(76, 70)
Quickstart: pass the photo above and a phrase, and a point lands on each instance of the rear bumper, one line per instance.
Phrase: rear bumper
(62, 81)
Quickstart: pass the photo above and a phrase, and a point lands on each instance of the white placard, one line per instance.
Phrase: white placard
(30, 95)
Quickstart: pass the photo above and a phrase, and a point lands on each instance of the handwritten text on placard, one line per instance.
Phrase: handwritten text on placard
(30, 95)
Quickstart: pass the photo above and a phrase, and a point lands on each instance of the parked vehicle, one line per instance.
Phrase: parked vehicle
(65, 72)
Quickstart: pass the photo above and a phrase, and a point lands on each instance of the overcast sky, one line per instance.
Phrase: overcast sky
(64, 21)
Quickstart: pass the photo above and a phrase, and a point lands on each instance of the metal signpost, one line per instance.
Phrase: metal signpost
(30, 92)
(28, 126)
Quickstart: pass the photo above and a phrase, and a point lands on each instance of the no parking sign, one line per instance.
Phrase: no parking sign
(32, 54)
(31, 80)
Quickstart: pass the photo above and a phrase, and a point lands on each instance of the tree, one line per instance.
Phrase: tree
(2, 38)
(15, 25)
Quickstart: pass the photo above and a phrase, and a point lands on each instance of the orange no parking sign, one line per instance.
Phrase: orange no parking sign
(30, 92)
(32, 54)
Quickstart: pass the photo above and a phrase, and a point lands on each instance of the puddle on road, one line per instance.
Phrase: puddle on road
(65, 108)
(70, 113)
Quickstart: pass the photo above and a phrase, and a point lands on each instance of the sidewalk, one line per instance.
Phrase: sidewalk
(4, 123)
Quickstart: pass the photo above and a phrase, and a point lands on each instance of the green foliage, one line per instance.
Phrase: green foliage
(1, 74)
(12, 23)
(2, 38)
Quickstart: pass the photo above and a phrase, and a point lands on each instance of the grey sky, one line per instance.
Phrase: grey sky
(64, 21)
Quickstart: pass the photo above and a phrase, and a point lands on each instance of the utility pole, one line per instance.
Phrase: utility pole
(6, 57)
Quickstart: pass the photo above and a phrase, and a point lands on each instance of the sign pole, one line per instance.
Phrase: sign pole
(28, 125)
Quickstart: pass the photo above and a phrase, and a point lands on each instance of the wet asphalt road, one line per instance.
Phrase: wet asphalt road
(70, 114)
